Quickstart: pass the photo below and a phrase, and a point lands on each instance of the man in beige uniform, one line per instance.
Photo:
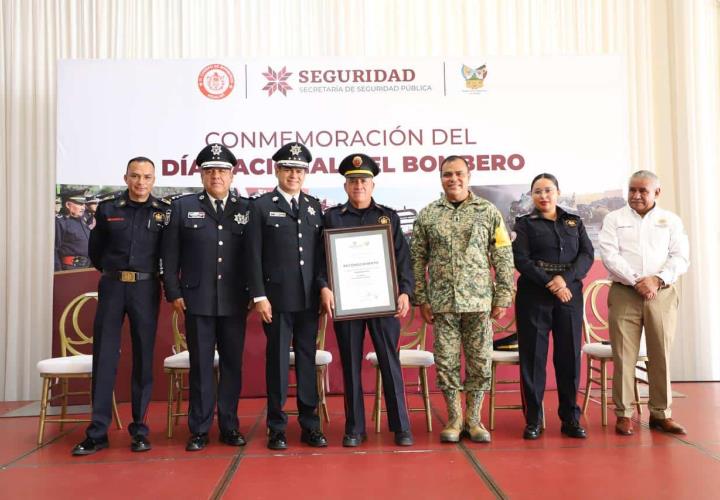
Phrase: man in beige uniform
(645, 249)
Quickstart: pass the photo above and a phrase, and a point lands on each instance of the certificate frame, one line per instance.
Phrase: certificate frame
(383, 256)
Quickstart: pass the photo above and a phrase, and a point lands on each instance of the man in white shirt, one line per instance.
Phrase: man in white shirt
(645, 249)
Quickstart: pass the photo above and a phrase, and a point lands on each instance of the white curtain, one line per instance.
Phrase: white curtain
(673, 74)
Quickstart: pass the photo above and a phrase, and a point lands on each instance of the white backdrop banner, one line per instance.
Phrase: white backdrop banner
(511, 117)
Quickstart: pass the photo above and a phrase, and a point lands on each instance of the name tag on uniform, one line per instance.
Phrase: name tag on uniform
(196, 215)
(277, 214)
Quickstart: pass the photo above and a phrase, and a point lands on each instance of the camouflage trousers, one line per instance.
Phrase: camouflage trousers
(472, 332)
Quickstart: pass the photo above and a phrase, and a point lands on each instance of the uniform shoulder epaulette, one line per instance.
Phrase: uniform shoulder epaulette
(161, 203)
(177, 196)
(385, 207)
(110, 196)
(311, 196)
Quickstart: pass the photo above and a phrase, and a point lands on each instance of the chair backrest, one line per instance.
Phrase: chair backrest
(595, 321)
(415, 334)
(322, 327)
(179, 342)
(507, 329)
(74, 337)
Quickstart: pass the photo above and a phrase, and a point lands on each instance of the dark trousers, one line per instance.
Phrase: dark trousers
(385, 334)
(300, 328)
(203, 334)
(537, 312)
(140, 301)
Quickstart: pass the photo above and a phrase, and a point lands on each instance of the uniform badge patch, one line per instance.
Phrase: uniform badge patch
(274, 198)
(215, 149)
(384, 219)
(242, 218)
(311, 210)
(159, 217)
(295, 149)
(196, 215)
(571, 223)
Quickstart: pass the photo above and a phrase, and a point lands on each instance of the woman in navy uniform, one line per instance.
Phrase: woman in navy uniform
(552, 254)
(361, 210)
(205, 279)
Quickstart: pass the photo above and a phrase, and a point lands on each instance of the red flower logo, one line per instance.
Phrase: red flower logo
(277, 81)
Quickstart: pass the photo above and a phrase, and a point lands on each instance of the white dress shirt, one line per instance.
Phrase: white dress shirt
(632, 246)
(224, 200)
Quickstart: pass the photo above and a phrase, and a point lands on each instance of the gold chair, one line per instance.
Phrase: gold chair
(322, 359)
(72, 364)
(500, 358)
(177, 367)
(412, 355)
(597, 348)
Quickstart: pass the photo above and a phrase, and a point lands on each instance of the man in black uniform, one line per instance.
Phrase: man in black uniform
(204, 277)
(72, 235)
(125, 247)
(284, 251)
(361, 210)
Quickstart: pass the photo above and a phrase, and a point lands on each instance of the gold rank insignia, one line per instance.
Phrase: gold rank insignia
(159, 217)
(571, 222)
(384, 219)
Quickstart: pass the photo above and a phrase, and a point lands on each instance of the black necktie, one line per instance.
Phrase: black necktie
(218, 206)
(294, 205)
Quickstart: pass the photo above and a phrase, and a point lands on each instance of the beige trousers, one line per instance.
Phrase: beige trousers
(629, 313)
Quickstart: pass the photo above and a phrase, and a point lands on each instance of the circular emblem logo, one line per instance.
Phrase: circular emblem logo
(384, 219)
(216, 81)
(357, 161)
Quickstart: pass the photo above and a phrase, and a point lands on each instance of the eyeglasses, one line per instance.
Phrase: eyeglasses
(540, 192)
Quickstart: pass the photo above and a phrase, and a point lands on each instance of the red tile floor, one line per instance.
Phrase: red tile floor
(648, 464)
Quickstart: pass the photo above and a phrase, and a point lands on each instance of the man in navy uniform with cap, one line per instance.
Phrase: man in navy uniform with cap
(361, 210)
(284, 250)
(72, 235)
(125, 248)
(205, 279)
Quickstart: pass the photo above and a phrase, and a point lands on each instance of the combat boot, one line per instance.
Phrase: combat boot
(473, 427)
(451, 432)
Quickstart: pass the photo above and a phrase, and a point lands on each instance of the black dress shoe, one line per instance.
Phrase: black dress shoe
(277, 440)
(197, 442)
(532, 431)
(314, 438)
(89, 446)
(573, 430)
(232, 438)
(404, 438)
(353, 440)
(140, 443)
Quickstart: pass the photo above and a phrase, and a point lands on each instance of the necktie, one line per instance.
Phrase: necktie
(218, 206)
(295, 208)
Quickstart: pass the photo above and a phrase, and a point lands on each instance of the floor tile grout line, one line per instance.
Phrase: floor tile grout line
(686, 442)
(489, 481)
(232, 468)
(12, 462)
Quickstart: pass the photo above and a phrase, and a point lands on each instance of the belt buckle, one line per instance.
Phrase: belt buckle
(127, 276)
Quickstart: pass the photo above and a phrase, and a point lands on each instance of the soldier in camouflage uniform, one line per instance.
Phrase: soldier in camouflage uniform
(459, 237)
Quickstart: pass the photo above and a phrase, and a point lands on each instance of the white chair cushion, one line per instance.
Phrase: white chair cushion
(408, 357)
(181, 360)
(506, 356)
(600, 350)
(321, 358)
(81, 363)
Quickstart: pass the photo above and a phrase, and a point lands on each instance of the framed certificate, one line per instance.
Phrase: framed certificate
(361, 271)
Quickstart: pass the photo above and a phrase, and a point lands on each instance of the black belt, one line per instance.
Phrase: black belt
(129, 276)
(552, 267)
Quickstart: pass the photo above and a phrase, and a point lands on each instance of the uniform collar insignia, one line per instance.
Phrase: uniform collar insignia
(201, 197)
(233, 199)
